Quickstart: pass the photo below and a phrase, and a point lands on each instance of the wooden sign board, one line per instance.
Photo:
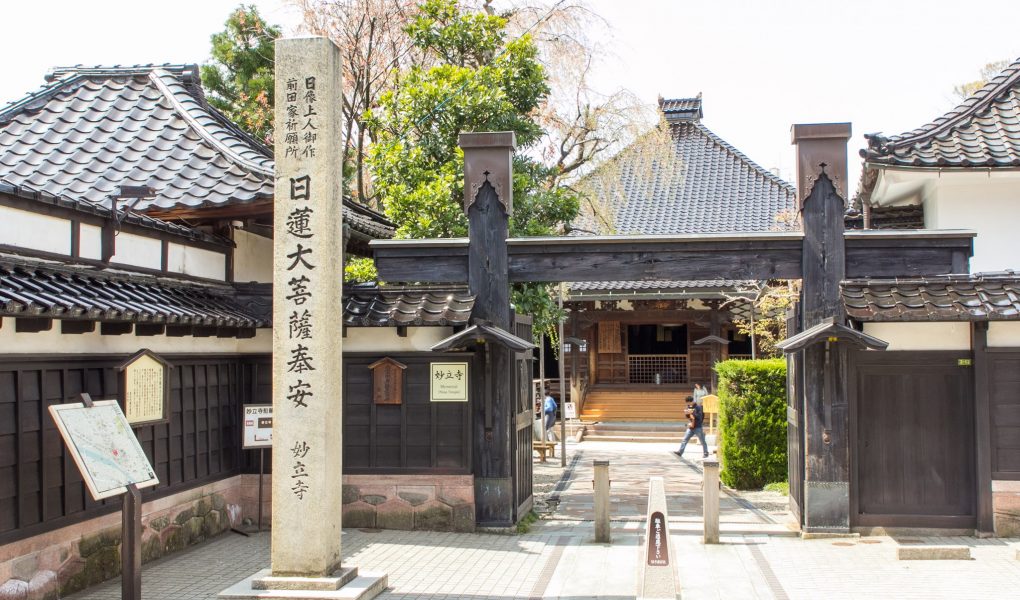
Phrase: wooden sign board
(387, 381)
(448, 382)
(258, 426)
(100, 440)
(145, 389)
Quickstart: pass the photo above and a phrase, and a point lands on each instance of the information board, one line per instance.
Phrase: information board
(449, 382)
(103, 446)
(570, 410)
(145, 389)
(258, 426)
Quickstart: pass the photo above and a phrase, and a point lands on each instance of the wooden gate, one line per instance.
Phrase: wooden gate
(912, 440)
(521, 449)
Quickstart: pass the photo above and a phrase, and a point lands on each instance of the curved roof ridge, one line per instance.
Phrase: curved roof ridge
(974, 104)
(188, 114)
(745, 159)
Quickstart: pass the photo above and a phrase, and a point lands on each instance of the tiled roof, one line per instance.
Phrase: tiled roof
(94, 129)
(983, 131)
(980, 297)
(379, 307)
(714, 189)
(676, 286)
(30, 289)
(675, 109)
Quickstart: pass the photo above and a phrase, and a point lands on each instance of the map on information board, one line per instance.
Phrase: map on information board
(104, 447)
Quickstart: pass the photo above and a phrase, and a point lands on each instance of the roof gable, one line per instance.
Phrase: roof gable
(983, 131)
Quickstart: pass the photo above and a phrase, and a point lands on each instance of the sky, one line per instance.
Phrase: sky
(884, 65)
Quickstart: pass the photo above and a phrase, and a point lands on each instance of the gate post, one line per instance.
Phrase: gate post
(826, 415)
(488, 202)
(601, 485)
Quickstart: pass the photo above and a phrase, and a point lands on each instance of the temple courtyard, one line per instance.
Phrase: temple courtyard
(759, 555)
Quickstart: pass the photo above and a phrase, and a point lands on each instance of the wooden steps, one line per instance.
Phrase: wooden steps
(623, 404)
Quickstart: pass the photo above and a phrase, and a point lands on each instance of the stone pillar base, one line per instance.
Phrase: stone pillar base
(346, 584)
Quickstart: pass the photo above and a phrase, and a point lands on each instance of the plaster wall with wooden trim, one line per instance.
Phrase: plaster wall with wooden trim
(921, 336)
(54, 342)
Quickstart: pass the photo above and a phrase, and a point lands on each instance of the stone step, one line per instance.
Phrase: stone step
(662, 439)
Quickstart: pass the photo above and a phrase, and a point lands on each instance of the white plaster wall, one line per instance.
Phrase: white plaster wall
(922, 336)
(90, 243)
(253, 258)
(93, 343)
(385, 339)
(989, 206)
(34, 231)
(1004, 334)
(137, 251)
(196, 262)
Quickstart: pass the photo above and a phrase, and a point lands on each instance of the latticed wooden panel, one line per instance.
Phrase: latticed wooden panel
(609, 337)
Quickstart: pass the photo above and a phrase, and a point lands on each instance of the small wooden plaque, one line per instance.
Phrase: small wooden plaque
(145, 388)
(387, 381)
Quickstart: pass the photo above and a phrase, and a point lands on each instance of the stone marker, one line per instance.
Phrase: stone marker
(710, 512)
(657, 567)
(601, 484)
(307, 345)
(933, 553)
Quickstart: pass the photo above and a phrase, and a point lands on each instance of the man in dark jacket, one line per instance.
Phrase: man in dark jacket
(696, 418)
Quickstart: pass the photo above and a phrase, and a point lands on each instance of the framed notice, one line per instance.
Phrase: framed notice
(570, 410)
(448, 382)
(258, 426)
(145, 388)
(103, 446)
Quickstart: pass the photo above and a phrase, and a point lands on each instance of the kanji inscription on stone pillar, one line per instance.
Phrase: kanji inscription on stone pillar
(308, 271)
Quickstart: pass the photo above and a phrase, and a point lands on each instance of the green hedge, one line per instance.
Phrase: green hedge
(752, 422)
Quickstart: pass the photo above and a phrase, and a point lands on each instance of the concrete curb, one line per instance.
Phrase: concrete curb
(933, 553)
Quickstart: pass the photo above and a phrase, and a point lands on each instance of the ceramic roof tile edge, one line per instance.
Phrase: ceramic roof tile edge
(134, 218)
(880, 150)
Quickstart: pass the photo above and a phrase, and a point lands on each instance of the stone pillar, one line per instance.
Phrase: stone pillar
(601, 485)
(307, 310)
(488, 202)
(710, 492)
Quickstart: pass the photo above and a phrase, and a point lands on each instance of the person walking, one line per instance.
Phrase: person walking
(695, 420)
(549, 412)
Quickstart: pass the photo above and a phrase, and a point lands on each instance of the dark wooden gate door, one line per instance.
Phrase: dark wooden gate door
(913, 440)
(524, 412)
(795, 422)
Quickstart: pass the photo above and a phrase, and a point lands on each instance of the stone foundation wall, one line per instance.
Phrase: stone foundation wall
(423, 502)
(1006, 507)
(69, 559)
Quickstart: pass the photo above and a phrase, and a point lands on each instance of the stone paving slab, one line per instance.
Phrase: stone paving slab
(558, 558)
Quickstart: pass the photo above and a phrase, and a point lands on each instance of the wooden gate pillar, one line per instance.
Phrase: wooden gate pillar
(826, 412)
(488, 202)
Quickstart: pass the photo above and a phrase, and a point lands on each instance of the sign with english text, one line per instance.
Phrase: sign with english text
(448, 382)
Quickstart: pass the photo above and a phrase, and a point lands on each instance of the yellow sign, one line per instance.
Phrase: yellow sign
(449, 382)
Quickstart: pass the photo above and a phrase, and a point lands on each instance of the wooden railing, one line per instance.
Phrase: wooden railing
(657, 368)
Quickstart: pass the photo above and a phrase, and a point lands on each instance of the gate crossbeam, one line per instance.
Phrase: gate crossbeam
(766, 255)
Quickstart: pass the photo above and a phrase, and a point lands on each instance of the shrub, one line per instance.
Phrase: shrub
(752, 422)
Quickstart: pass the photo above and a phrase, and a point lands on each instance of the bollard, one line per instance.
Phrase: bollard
(601, 484)
(711, 493)
(657, 568)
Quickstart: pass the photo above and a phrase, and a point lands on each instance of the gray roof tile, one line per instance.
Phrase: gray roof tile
(978, 297)
(92, 129)
(983, 131)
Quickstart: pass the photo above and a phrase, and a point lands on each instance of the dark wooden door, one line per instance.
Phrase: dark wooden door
(795, 421)
(523, 403)
(914, 440)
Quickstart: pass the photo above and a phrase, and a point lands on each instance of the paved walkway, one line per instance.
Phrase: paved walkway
(558, 558)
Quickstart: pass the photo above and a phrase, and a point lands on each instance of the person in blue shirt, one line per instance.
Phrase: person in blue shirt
(549, 413)
(696, 418)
